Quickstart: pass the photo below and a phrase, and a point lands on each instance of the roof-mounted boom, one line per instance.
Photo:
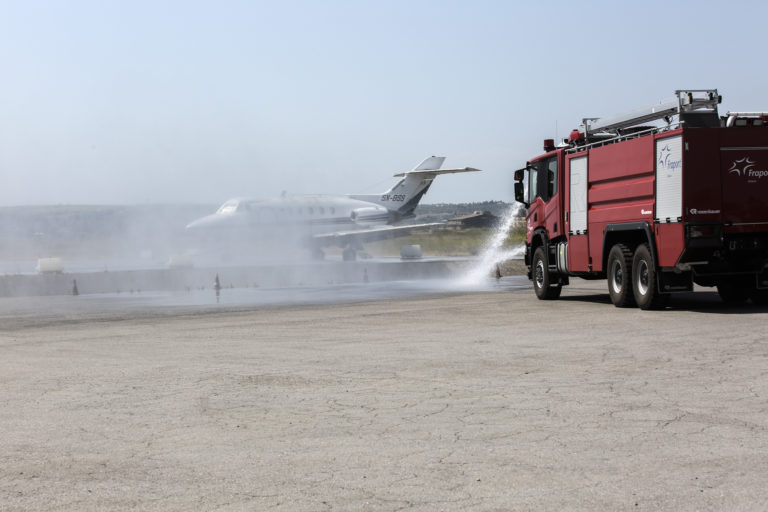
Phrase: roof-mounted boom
(690, 105)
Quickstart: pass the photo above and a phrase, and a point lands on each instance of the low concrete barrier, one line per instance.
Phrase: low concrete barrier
(180, 279)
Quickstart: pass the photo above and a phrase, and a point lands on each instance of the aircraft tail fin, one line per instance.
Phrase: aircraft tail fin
(430, 164)
(405, 195)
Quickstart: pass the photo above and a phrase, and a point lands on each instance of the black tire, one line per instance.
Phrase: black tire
(318, 255)
(542, 280)
(733, 292)
(644, 284)
(619, 273)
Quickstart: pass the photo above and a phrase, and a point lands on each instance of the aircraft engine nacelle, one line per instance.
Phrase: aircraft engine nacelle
(369, 215)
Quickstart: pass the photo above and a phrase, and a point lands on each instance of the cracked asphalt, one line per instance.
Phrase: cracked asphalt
(488, 401)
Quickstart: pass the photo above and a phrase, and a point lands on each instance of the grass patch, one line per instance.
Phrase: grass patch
(447, 242)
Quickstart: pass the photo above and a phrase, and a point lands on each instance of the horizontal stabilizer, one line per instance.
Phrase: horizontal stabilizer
(435, 172)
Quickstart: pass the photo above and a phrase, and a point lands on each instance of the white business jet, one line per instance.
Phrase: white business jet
(345, 221)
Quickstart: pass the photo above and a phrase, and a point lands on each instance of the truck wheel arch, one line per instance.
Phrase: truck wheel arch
(538, 239)
(631, 234)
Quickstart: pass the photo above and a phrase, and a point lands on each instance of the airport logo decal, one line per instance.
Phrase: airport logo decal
(748, 165)
(745, 167)
(666, 162)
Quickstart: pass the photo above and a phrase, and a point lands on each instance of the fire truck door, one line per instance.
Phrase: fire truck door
(669, 179)
(544, 210)
(551, 197)
(578, 246)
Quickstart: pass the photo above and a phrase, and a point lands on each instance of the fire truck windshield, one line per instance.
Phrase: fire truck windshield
(542, 178)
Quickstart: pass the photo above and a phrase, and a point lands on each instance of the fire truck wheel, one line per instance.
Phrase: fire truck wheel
(733, 291)
(620, 276)
(542, 280)
(644, 284)
(318, 254)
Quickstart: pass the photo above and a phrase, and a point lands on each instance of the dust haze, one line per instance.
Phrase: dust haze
(95, 238)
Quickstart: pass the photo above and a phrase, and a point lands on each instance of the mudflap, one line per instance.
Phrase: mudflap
(670, 282)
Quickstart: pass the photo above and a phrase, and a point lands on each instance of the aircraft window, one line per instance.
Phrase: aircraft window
(310, 211)
(321, 210)
(298, 211)
(333, 210)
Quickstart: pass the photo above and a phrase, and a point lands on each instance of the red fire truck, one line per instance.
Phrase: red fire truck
(652, 208)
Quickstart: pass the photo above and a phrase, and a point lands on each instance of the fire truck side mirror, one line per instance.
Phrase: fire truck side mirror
(520, 193)
(519, 174)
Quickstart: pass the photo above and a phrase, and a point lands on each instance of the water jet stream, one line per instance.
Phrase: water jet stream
(493, 252)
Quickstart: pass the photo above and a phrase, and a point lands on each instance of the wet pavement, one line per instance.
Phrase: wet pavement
(109, 305)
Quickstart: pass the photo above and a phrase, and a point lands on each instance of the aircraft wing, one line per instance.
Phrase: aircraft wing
(341, 238)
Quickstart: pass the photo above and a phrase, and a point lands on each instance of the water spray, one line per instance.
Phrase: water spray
(493, 253)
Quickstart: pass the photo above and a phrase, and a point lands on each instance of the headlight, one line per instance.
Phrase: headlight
(702, 231)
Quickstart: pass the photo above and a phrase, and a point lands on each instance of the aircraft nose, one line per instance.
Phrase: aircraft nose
(202, 223)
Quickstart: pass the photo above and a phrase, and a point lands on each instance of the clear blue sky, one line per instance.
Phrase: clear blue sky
(191, 101)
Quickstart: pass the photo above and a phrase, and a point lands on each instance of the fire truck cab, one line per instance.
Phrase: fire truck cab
(654, 209)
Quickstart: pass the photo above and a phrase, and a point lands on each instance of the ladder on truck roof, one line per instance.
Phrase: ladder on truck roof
(692, 101)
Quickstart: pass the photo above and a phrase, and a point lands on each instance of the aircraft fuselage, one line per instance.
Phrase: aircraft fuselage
(308, 215)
